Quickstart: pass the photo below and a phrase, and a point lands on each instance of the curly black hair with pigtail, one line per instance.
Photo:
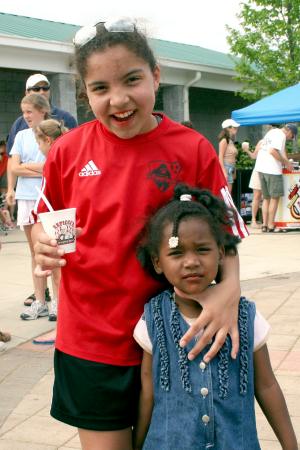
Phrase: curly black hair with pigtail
(204, 205)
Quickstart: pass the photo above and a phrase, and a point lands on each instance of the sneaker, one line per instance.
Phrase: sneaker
(53, 311)
(31, 298)
(36, 310)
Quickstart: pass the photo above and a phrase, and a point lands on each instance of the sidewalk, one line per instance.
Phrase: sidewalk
(270, 273)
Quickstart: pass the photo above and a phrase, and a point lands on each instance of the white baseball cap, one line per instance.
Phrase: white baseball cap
(230, 123)
(35, 79)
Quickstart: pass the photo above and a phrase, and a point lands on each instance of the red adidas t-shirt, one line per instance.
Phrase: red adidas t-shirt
(115, 185)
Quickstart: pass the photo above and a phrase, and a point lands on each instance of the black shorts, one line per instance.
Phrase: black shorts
(94, 396)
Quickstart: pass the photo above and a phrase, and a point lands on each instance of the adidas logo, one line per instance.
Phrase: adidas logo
(89, 170)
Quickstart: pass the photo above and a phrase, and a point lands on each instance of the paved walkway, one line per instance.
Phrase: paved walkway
(270, 273)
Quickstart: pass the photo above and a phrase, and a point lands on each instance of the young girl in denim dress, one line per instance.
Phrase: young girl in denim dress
(193, 405)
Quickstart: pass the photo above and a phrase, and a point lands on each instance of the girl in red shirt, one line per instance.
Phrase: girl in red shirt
(117, 170)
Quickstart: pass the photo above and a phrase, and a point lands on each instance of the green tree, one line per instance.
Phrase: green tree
(267, 46)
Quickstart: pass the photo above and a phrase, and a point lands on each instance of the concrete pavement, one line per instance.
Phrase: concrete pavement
(270, 274)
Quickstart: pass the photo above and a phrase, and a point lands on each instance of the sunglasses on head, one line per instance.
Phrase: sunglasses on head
(39, 88)
(87, 33)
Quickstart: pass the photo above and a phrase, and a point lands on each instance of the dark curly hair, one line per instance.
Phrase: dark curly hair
(203, 205)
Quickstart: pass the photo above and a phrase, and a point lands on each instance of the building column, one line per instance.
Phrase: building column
(63, 92)
(173, 102)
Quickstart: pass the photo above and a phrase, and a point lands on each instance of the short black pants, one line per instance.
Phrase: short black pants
(94, 396)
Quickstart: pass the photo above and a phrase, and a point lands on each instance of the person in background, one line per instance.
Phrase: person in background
(3, 167)
(187, 404)
(4, 335)
(6, 213)
(116, 170)
(35, 108)
(46, 133)
(6, 223)
(270, 161)
(39, 83)
(227, 150)
(254, 183)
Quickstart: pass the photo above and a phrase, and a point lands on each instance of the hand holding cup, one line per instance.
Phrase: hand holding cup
(245, 146)
(61, 226)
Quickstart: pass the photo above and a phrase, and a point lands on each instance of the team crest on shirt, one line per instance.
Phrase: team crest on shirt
(164, 174)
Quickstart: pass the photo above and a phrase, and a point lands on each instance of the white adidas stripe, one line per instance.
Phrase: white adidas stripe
(93, 165)
(90, 169)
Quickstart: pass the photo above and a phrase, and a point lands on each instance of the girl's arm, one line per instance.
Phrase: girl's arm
(271, 400)
(220, 312)
(145, 403)
(35, 167)
(253, 155)
(222, 150)
(18, 169)
(11, 183)
(281, 158)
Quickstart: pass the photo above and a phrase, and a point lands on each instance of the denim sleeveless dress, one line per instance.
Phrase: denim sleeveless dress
(200, 406)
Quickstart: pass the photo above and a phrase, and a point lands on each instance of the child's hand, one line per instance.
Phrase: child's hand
(218, 319)
(245, 146)
(11, 198)
(39, 272)
(48, 255)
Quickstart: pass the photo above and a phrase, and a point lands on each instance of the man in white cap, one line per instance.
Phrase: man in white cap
(39, 84)
(269, 164)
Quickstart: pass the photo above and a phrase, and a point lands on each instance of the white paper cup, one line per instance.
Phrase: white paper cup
(61, 225)
(245, 145)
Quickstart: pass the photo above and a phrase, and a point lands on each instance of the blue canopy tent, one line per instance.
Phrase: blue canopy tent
(281, 107)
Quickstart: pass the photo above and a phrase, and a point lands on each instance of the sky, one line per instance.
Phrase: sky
(196, 22)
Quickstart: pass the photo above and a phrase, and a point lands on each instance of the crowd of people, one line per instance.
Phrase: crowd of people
(267, 176)
(266, 180)
(150, 312)
(27, 147)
